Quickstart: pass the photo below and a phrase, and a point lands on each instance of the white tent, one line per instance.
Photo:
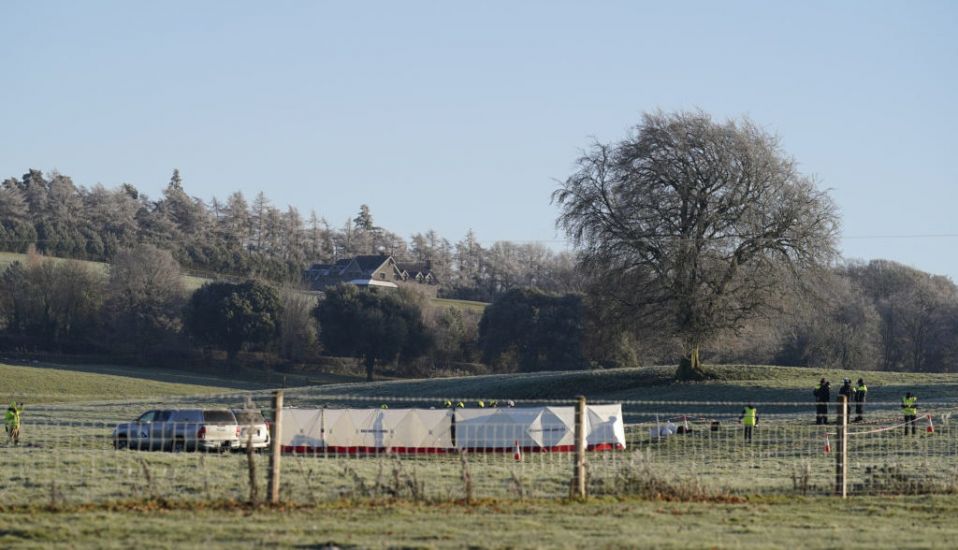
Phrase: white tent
(366, 430)
(538, 428)
(423, 430)
(302, 430)
(492, 429)
(604, 427)
(439, 430)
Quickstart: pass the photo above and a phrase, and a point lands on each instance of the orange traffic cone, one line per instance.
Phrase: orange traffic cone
(828, 446)
(931, 427)
(517, 454)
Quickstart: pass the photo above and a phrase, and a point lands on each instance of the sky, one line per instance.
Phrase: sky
(465, 115)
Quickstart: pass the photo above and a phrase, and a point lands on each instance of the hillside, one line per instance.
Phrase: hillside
(191, 282)
(731, 383)
(45, 383)
(48, 383)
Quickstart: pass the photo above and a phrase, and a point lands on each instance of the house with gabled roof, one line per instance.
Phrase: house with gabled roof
(419, 272)
(380, 271)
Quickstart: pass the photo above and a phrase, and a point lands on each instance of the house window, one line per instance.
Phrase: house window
(382, 276)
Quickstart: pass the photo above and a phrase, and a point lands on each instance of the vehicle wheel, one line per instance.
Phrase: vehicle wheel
(179, 446)
(121, 442)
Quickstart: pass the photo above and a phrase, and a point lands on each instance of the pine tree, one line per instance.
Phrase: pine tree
(364, 220)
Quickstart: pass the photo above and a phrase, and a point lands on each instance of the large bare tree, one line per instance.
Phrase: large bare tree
(695, 226)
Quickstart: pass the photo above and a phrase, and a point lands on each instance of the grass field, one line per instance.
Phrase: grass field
(67, 463)
(69, 449)
(874, 522)
(738, 383)
(465, 304)
(48, 383)
(190, 282)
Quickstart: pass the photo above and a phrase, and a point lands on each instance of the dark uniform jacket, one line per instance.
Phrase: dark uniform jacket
(823, 393)
(846, 390)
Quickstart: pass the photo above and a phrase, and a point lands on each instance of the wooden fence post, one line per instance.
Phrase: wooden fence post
(275, 447)
(841, 457)
(578, 474)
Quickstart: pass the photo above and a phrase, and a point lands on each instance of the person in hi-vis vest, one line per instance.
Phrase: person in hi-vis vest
(909, 409)
(749, 418)
(860, 393)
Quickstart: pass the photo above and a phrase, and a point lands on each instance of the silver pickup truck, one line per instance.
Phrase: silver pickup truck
(253, 428)
(179, 430)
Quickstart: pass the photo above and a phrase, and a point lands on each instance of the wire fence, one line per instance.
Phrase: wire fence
(421, 449)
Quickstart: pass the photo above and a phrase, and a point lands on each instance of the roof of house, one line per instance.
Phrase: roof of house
(360, 271)
(414, 267)
(370, 263)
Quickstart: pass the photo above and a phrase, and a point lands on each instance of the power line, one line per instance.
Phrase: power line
(569, 241)
(913, 236)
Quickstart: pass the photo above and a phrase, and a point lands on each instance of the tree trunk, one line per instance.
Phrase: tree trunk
(370, 363)
(690, 367)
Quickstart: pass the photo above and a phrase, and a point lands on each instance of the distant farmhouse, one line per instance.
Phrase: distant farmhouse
(373, 271)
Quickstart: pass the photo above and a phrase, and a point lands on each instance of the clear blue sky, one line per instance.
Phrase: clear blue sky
(455, 115)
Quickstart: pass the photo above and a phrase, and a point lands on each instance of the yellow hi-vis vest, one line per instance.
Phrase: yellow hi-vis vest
(749, 414)
(12, 417)
(908, 406)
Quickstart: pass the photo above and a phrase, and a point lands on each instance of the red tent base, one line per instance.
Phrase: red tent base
(309, 450)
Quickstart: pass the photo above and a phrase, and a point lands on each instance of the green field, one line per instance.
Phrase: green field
(729, 494)
(190, 282)
(48, 383)
(464, 304)
(874, 522)
(737, 383)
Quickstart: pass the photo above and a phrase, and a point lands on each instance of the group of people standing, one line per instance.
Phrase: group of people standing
(823, 395)
(909, 403)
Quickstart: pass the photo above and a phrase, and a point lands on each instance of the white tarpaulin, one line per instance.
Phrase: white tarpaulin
(538, 428)
(433, 430)
(604, 427)
(302, 429)
(413, 430)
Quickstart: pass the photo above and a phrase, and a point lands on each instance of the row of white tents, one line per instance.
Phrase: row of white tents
(546, 429)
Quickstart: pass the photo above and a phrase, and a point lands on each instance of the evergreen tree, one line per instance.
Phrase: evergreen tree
(533, 331)
(16, 231)
(145, 297)
(374, 326)
(364, 220)
(231, 316)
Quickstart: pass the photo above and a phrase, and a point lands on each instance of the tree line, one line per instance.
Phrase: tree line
(696, 240)
(140, 311)
(876, 315)
(250, 239)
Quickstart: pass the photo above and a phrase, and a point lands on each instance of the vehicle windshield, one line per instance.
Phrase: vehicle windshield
(249, 417)
(146, 417)
(218, 416)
